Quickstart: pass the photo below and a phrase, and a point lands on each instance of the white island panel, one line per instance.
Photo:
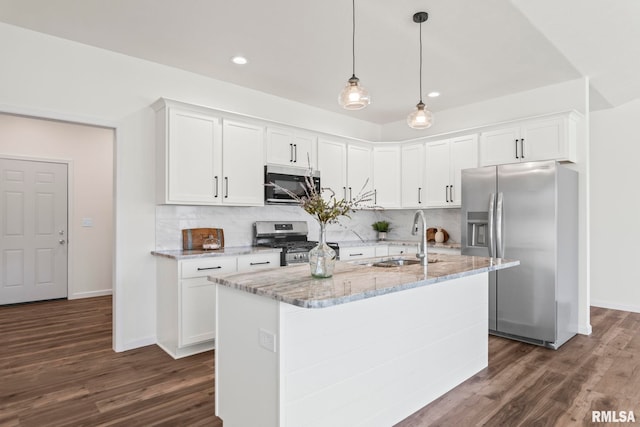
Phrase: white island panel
(368, 363)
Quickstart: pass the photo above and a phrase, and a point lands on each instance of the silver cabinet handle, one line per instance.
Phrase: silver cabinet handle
(209, 268)
(359, 254)
(446, 193)
(499, 224)
(226, 187)
(375, 197)
(350, 194)
(451, 194)
(291, 152)
(517, 149)
(344, 190)
(295, 153)
(522, 148)
(419, 194)
(216, 185)
(260, 263)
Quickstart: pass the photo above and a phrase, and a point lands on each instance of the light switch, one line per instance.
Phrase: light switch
(87, 222)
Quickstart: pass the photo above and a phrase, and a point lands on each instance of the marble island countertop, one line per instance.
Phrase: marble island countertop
(357, 280)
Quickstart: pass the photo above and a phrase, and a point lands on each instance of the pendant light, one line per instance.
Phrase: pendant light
(421, 118)
(353, 96)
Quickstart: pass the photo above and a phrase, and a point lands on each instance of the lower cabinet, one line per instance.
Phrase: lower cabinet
(186, 299)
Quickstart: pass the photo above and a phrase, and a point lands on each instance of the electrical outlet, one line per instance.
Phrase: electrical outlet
(267, 340)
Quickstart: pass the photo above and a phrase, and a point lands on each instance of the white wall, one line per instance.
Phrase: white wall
(51, 77)
(90, 153)
(615, 208)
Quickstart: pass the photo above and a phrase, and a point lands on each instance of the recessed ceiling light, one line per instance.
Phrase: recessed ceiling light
(433, 94)
(240, 60)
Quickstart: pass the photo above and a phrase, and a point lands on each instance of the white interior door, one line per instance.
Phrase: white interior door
(33, 223)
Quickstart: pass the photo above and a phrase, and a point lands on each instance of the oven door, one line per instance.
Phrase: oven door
(285, 180)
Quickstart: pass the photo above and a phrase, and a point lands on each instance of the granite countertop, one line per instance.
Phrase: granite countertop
(355, 243)
(179, 254)
(356, 280)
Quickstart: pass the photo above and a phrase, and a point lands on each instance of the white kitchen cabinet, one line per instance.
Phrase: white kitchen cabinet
(253, 262)
(359, 170)
(189, 155)
(550, 138)
(387, 176)
(412, 177)
(445, 161)
(382, 250)
(186, 301)
(242, 163)
(291, 148)
(332, 164)
(357, 252)
(205, 159)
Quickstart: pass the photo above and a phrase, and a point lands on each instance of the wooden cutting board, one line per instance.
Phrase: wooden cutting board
(193, 238)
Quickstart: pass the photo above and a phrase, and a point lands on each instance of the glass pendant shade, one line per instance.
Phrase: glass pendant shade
(354, 96)
(421, 118)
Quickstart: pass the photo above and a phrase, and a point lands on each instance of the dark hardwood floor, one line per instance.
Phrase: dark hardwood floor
(57, 368)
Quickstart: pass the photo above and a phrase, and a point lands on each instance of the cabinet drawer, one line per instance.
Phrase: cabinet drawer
(402, 250)
(208, 266)
(347, 254)
(258, 261)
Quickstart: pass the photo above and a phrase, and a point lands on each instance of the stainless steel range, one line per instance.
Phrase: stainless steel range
(291, 236)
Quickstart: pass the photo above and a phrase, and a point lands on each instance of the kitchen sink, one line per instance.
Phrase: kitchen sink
(399, 262)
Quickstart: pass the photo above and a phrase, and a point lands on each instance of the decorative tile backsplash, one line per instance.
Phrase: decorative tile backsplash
(237, 223)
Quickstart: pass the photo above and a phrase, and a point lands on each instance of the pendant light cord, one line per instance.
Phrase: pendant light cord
(353, 37)
(421, 62)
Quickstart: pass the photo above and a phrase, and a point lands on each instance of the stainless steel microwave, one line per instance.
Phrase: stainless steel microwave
(292, 179)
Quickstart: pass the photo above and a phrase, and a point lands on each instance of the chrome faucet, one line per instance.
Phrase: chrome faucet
(422, 251)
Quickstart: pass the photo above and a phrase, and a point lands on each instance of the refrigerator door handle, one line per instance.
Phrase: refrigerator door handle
(499, 226)
(491, 225)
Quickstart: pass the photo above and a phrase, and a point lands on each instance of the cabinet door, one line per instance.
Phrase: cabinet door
(359, 170)
(464, 155)
(437, 174)
(242, 159)
(289, 148)
(500, 147)
(192, 156)
(387, 177)
(197, 311)
(413, 192)
(332, 164)
(544, 140)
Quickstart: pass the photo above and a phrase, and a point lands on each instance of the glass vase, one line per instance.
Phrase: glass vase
(322, 259)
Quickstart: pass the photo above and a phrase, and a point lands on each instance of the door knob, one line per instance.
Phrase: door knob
(62, 241)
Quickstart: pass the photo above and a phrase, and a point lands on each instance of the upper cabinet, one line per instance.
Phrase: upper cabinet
(347, 169)
(242, 163)
(332, 164)
(445, 161)
(551, 138)
(359, 170)
(204, 159)
(387, 185)
(412, 176)
(291, 148)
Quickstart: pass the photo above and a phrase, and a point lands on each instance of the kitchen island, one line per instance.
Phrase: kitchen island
(366, 347)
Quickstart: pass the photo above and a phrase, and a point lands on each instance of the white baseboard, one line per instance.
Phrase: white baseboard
(90, 294)
(615, 306)
(142, 342)
(585, 329)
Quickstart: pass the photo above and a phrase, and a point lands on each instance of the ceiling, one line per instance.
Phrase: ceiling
(301, 50)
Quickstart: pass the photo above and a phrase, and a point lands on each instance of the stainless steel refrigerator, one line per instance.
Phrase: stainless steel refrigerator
(528, 212)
